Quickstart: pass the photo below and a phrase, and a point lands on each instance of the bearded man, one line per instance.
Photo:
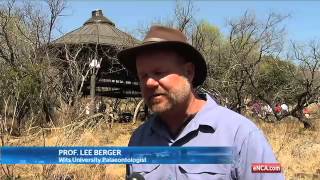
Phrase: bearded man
(169, 70)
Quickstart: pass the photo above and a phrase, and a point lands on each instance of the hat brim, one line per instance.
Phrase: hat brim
(128, 57)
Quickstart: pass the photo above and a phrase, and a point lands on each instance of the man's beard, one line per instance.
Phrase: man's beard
(173, 99)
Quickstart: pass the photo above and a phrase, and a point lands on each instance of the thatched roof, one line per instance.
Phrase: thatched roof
(98, 30)
(112, 79)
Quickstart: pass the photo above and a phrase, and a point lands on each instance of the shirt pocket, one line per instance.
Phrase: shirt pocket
(203, 171)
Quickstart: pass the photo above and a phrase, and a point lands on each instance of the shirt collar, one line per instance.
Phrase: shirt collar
(202, 117)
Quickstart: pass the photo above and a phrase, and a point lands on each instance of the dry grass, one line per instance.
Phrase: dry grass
(100, 135)
(297, 149)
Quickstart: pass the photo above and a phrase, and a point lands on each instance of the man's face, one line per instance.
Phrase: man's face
(164, 80)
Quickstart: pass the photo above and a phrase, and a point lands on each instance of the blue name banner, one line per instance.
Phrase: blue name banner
(116, 155)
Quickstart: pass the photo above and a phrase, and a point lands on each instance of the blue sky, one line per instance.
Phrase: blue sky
(303, 25)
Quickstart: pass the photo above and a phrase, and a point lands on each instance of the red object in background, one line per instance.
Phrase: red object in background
(278, 108)
(265, 168)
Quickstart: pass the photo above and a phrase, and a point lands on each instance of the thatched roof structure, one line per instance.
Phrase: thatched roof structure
(100, 39)
(98, 29)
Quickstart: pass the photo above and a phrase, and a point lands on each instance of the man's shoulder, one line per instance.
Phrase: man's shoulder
(229, 119)
(222, 117)
(140, 132)
(242, 130)
(231, 127)
(144, 127)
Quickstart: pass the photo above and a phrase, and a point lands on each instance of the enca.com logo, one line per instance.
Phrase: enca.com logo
(266, 168)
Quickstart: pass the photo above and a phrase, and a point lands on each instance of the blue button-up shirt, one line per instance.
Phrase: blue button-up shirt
(213, 125)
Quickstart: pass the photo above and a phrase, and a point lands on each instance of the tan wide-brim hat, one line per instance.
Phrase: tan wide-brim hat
(160, 37)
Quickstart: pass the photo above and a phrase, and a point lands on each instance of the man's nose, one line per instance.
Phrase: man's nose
(151, 83)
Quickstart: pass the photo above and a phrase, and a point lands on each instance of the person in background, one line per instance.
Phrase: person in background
(267, 111)
(306, 112)
(284, 108)
(278, 109)
(257, 109)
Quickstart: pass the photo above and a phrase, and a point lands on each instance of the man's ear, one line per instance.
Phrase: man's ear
(189, 71)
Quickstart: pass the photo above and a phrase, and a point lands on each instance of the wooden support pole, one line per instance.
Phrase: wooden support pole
(92, 91)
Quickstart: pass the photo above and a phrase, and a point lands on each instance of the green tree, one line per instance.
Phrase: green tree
(233, 60)
(274, 79)
(25, 67)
